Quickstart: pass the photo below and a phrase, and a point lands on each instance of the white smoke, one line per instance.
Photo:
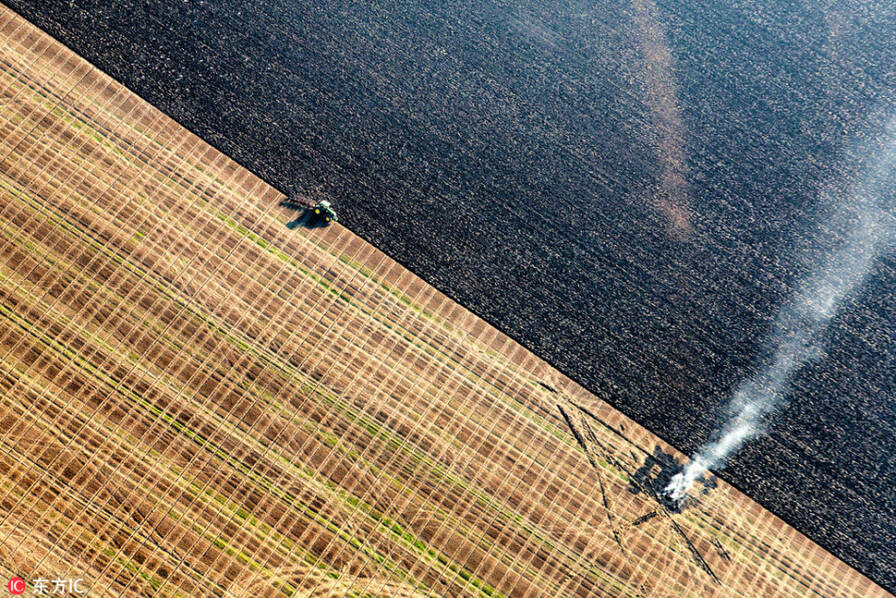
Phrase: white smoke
(860, 228)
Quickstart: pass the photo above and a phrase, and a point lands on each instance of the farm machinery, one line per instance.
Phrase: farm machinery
(313, 214)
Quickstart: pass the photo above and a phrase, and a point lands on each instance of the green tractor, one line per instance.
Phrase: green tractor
(312, 215)
(324, 211)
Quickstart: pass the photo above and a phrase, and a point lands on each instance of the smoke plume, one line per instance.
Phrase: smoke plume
(859, 229)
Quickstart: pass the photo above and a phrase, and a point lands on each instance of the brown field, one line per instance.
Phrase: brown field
(198, 401)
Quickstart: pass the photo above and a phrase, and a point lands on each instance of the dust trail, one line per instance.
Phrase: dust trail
(535, 29)
(667, 134)
(859, 229)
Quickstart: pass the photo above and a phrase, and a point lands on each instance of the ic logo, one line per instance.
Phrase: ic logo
(16, 586)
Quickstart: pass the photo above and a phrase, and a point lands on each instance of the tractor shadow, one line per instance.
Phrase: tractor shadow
(305, 217)
(655, 474)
